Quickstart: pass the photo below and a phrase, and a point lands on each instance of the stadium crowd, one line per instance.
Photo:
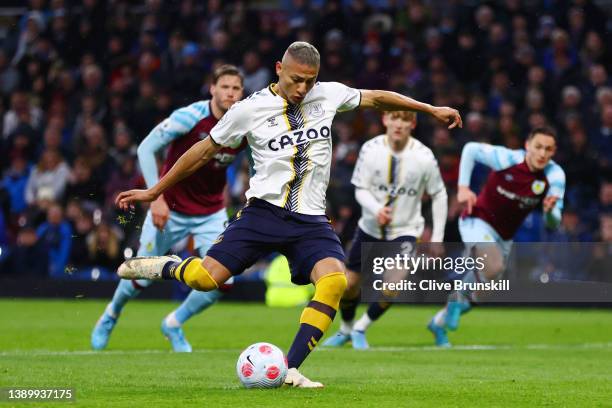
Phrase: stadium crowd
(83, 82)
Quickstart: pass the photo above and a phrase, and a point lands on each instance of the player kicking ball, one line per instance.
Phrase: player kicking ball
(288, 127)
(392, 174)
(192, 207)
(520, 182)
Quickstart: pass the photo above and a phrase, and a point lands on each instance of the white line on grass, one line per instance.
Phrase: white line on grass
(477, 347)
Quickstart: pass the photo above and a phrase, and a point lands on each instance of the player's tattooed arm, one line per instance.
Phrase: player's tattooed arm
(390, 101)
(197, 156)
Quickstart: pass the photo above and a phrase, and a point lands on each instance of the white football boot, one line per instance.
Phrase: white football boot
(296, 379)
(145, 267)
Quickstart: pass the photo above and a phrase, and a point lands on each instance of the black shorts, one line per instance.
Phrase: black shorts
(262, 228)
(353, 261)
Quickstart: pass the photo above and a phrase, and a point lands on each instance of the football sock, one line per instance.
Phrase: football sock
(317, 317)
(348, 307)
(375, 310)
(191, 272)
(171, 320)
(195, 303)
(126, 290)
(346, 327)
(440, 318)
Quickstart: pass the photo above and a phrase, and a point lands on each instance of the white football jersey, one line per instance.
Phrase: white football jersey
(291, 144)
(397, 180)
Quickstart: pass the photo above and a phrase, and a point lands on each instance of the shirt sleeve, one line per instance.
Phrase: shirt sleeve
(434, 178)
(179, 123)
(345, 98)
(556, 179)
(362, 176)
(495, 157)
(232, 128)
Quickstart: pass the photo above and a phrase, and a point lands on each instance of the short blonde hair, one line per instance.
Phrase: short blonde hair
(404, 115)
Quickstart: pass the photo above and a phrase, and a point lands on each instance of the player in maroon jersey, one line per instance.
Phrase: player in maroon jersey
(193, 207)
(521, 181)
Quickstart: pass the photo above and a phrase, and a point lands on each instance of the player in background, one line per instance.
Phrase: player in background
(520, 182)
(192, 207)
(392, 174)
(288, 128)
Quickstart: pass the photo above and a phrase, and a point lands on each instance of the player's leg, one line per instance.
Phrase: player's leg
(330, 282)
(348, 309)
(205, 230)
(473, 231)
(373, 313)
(375, 309)
(350, 299)
(152, 242)
(238, 247)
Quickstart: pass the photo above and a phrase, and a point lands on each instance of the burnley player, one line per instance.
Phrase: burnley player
(392, 174)
(520, 182)
(192, 207)
(288, 127)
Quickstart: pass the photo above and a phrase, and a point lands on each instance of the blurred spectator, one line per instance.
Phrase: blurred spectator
(104, 248)
(189, 77)
(123, 178)
(602, 137)
(94, 150)
(15, 181)
(81, 184)
(256, 76)
(605, 231)
(28, 256)
(9, 76)
(56, 235)
(21, 112)
(48, 178)
(571, 229)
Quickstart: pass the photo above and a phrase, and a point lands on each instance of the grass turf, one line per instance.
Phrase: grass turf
(505, 357)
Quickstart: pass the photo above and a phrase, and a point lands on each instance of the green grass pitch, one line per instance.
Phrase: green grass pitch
(504, 357)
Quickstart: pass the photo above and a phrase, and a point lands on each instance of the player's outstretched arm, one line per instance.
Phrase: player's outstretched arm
(390, 101)
(194, 158)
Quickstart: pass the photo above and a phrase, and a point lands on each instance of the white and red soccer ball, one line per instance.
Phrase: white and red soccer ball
(262, 365)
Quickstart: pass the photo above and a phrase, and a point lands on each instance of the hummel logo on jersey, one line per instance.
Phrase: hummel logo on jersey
(508, 177)
(272, 122)
(203, 135)
(298, 137)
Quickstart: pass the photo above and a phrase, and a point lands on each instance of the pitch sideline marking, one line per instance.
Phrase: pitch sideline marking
(474, 347)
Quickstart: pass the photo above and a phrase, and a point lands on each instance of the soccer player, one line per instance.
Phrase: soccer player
(520, 182)
(192, 207)
(393, 172)
(288, 127)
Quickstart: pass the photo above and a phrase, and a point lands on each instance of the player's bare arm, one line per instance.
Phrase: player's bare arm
(160, 212)
(389, 101)
(197, 156)
(466, 196)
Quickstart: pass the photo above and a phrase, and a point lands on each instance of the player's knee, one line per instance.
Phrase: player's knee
(494, 268)
(330, 288)
(196, 276)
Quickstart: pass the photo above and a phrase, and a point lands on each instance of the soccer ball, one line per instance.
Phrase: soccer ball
(262, 365)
